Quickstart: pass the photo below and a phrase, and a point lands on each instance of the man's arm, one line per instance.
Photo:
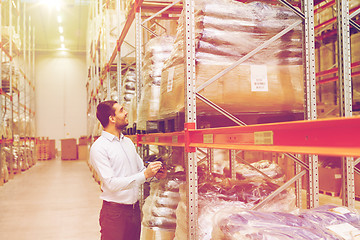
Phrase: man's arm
(99, 160)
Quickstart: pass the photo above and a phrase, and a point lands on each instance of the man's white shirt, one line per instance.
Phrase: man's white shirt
(120, 168)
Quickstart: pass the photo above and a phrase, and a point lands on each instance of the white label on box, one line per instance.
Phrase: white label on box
(259, 81)
(170, 79)
(345, 230)
(16, 138)
(337, 176)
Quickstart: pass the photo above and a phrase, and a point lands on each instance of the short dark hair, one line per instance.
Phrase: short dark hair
(104, 110)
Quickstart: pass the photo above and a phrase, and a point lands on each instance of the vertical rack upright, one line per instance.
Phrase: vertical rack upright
(307, 16)
(17, 97)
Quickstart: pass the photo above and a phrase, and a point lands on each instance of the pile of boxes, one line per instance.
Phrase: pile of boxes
(70, 150)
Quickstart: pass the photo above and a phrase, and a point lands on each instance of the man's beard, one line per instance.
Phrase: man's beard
(121, 126)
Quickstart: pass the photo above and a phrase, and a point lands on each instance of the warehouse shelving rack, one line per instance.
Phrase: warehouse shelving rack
(17, 100)
(323, 33)
(310, 138)
(99, 71)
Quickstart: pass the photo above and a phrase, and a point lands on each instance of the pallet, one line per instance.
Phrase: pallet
(130, 130)
(329, 193)
(175, 122)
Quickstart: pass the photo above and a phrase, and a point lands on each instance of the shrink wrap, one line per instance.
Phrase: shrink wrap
(217, 194)
(325, 222)
(157, 51)
(225, 31)
(159, 216)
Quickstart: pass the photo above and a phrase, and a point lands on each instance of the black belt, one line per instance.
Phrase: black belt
(114, 204)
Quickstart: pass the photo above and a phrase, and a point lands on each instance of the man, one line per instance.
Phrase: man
(122, 172)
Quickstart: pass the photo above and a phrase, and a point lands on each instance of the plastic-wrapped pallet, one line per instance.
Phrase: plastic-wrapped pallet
(2, 131)
(132, 112)
(5, 69)
(4, 169)
(225, 31)
(129, 92)
(159, 210)
(157, 51)
(220, 160)
(129, 85)
(221, 166)
(15, 164)
(7, 132)
(272, 170)
(223, 193)
(325, 222)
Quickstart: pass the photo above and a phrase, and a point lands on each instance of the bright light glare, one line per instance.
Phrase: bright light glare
(62, 46)
(59, 18)
(62, 38)
(52, 3)
(61, 29)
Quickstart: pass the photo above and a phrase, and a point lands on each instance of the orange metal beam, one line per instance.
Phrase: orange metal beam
(332, 20)
(126, 28)
(333, 79)
(335, 70)
(333, 137)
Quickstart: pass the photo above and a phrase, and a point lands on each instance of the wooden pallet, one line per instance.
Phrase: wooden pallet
(43, 148)
(329, 193)
(175, 122)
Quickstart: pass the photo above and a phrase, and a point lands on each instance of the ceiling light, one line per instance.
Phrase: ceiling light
(52, 3)
(61, 29)
(62, 38)
(59, 18)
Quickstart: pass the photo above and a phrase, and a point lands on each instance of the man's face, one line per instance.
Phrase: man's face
(121, 120)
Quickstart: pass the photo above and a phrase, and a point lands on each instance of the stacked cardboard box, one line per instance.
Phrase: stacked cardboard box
(83, 151)
(52, 150)
(225, 32)
(68, 149)
(330, 180)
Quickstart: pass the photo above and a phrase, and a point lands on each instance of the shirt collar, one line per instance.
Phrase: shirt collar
(111, 137)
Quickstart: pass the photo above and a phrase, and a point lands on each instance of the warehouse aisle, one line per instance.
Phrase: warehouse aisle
(54, 200)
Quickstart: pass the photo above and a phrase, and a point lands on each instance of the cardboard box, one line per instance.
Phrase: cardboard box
(234, 91)
(52, 150)
(83, 140)
(83, 152)
(68, 149)
(330, 180)
(357, 185)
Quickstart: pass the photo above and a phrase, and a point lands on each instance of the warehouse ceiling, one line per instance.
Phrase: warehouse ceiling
(45, 16)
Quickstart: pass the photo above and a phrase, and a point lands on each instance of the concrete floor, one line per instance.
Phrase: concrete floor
(53, 200)
(59, 200)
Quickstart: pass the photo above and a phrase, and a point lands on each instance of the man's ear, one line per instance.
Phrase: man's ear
(112, 118)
